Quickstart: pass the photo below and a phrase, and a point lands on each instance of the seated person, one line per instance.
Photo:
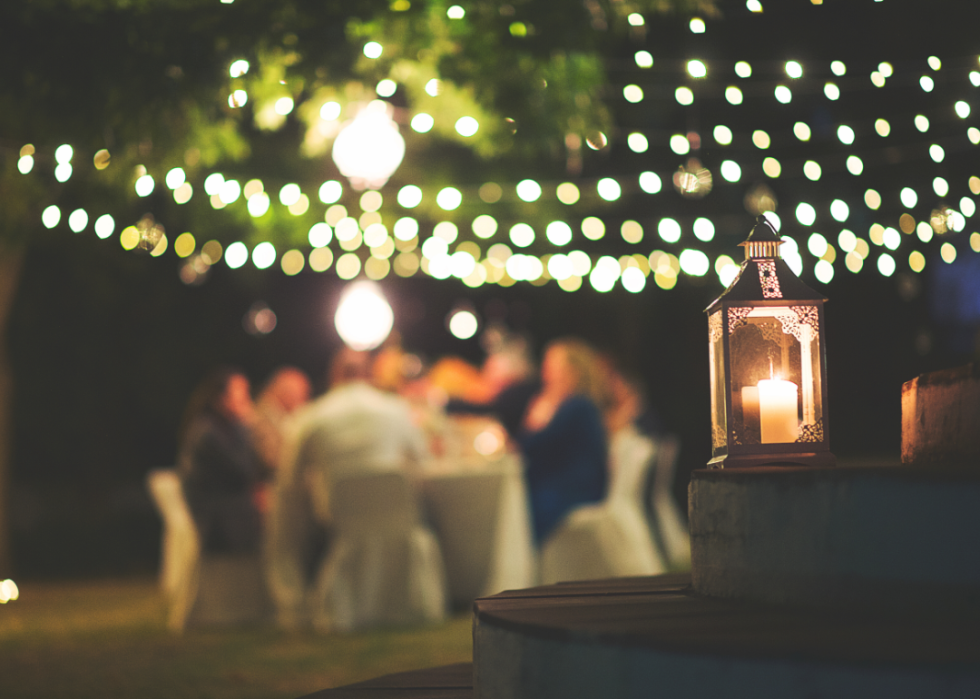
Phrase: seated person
(219, 465)
(562, 438)
(353, 429)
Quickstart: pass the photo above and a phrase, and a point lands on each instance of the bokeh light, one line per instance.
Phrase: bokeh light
(105, 225)
(364, 318)
(694, 262)
(684, 96)
(258, 204)
(631, 231)
(528, 190)
(463, 324)
(145, 185)
(467, 126)
(567, 193)
(679, 144)
(264, 255)
(633, 93)
(637, 142)
(422, 122)
(609, 189)
(236, 255)
(51, 216)
(669, 230)
(449, 198)
(521, 235)
(704, 229)
(730, 171)
(558, 233)
(593, 228)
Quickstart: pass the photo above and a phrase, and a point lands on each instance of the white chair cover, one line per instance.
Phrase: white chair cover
(667, 516)
(612, 538)
(179, 548)
(384, 567)
(200, 591)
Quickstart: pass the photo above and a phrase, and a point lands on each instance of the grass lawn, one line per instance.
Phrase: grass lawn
(107, 639)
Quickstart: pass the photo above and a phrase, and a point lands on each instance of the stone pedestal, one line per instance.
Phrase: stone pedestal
(874, 536)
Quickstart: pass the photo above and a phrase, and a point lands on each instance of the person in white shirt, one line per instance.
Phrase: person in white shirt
(353, 429)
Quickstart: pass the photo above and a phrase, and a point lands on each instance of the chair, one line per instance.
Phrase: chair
(384, 567)
(201, 590)
(179, 547)
(611, 538)
(668, 521)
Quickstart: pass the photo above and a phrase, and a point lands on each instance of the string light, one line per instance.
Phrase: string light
(226, 192)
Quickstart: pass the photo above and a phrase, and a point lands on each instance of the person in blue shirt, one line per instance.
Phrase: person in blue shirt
(562, 439)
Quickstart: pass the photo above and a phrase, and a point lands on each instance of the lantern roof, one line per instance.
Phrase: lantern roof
(764, 277)
(762, 232)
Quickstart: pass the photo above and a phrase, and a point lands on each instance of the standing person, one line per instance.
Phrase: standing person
(563, 440)
(219, 465)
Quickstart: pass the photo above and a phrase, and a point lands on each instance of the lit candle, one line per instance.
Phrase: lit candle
(778, 416)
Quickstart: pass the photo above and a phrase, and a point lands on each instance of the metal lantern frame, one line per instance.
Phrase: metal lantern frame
(768, 364)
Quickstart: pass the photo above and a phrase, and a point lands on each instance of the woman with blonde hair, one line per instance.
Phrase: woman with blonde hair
(563, 440)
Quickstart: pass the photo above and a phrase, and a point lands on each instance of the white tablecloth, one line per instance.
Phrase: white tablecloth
(480, 514)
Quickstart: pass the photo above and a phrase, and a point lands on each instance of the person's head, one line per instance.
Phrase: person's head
(571, 366)
(224, 392)
(349, 365)
(288, 388)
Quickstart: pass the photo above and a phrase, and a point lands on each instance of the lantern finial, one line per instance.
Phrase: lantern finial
(762, 241)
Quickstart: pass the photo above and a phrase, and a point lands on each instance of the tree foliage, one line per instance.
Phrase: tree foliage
(148, 80)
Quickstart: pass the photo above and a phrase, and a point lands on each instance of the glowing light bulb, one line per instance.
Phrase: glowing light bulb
(364, 318)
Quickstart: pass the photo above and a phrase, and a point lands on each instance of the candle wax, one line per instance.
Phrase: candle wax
(778, 416)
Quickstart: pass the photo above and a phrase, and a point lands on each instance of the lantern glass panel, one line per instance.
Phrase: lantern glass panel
(775, 374)
(716, 359)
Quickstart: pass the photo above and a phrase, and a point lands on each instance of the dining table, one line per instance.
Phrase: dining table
(478, 509)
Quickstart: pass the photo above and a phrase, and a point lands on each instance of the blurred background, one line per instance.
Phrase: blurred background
(104, 344)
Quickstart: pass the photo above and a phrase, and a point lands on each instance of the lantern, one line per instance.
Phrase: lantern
(767, 361)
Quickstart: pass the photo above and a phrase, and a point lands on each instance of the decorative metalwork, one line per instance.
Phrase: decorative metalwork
(714, 327)
(795, 318)
(808, 316)
(772, 332)
(768, 280)
(737, 316)
(812, 433)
